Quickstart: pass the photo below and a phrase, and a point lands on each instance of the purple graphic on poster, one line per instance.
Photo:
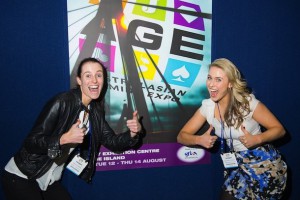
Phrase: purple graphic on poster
(152, 155)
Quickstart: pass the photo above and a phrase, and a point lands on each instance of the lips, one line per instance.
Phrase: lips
(213, 93)
(94, 88)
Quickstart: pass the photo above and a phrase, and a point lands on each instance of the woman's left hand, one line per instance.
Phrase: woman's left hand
(134, 124)
(248, 140)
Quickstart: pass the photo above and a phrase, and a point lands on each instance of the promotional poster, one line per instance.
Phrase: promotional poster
(156, 53)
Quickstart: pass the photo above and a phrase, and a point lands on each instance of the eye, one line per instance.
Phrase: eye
(99, 75)
(218, 79)
(208, 77)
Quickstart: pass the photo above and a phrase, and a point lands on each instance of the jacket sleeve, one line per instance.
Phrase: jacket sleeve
(44, 136)
(118, 142)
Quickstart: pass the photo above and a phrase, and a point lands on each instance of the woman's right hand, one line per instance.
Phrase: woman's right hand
(207, 140)
(75, 134)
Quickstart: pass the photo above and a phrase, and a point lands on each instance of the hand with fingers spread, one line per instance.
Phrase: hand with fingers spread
(133, 124)
(75, 134)
(207, 140)
(248, 140)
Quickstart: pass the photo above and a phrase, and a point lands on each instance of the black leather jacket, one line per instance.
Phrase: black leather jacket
(41, 147)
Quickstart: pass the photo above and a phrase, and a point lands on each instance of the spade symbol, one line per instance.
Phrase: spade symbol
(181, 73)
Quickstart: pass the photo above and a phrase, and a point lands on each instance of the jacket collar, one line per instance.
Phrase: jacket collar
(78, 94)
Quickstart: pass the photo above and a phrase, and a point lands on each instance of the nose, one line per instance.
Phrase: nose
(210, 83)
(94, 79)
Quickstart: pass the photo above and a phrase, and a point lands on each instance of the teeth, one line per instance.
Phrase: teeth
(94, 87)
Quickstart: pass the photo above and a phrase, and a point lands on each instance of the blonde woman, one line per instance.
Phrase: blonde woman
(253, 167)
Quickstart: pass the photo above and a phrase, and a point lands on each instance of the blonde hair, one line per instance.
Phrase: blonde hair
(239, 96)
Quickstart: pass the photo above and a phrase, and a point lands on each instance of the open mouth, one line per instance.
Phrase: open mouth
(94, 88)
(213, 93)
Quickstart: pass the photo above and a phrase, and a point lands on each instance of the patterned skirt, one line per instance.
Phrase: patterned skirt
(261, 175)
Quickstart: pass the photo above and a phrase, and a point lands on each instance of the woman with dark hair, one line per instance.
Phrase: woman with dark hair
(254, 169)
(68, 133)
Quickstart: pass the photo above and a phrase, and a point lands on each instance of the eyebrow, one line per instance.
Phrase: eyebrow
(215, 76)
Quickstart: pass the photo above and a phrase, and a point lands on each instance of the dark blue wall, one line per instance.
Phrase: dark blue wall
(261, 37)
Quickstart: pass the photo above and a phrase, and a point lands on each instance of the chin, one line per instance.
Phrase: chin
(214, 99)
(95, 97)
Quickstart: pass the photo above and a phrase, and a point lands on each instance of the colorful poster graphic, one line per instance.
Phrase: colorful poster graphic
(157, 54)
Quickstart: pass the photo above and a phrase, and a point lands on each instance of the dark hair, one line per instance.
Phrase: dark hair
(94, 60)
(86, 60)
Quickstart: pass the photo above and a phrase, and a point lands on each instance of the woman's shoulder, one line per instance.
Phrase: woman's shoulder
(253, 101)
(63, 97)
(207, 109)
(252, 98)
(208, 102)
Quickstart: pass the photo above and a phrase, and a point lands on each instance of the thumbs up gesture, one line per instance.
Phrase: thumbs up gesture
(207, 140)
(74, 135)
(248, 140)
(133, 124)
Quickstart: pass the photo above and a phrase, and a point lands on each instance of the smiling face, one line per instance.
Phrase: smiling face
(218, 84)
(91, 81)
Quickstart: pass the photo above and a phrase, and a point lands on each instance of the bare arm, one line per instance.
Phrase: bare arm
(187, 135)
(274, 129)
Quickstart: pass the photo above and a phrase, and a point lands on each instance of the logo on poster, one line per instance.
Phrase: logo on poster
(188, 154)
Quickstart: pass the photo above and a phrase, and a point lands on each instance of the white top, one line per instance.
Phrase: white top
(207, 110)
(52, 175)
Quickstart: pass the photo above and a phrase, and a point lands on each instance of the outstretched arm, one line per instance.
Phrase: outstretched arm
(187, 135)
